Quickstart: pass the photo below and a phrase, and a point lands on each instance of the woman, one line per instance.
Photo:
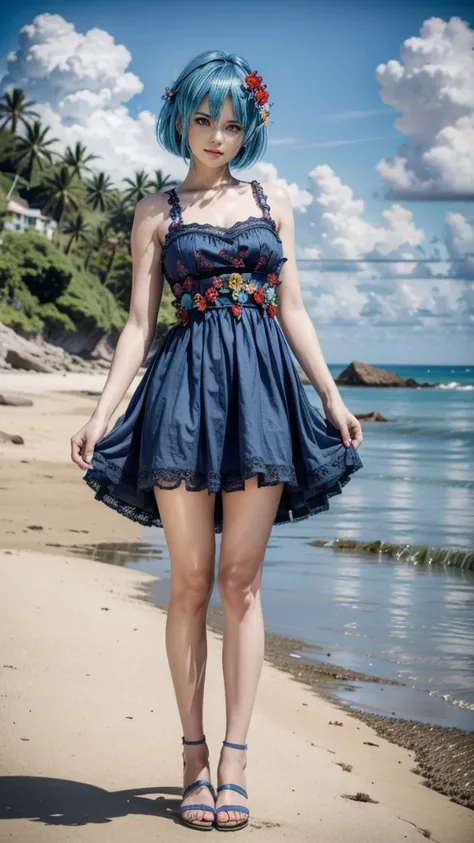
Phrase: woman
(221, 408)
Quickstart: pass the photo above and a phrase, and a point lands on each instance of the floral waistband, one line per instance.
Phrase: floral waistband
(235, 290)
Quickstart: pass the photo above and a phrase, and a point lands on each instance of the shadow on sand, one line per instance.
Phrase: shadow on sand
(63, 802)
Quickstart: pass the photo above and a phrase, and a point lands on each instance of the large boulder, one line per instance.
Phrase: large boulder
(37, 355)
(14, 438)
(22, 360)
(361, 374)
(8, 399)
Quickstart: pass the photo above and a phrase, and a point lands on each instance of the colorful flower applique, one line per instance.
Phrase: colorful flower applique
(180, 269)
(201, 261)
(234, 286)
(237, 260)
(235, 283)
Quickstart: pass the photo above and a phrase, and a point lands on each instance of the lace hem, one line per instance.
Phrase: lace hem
(316, 480)
(313, 492)
(152, 519)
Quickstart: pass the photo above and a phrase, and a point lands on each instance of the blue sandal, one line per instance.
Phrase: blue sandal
(202, 825)
(229, 825)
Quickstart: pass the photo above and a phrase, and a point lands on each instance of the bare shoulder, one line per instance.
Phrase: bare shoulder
(150, 213)
(152, 206)
(279, 200)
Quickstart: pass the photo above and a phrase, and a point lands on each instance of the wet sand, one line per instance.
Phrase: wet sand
(443, 756)
(90, 733)
(46, 507)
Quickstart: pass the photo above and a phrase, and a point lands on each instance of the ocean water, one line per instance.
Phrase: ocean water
(389, 618)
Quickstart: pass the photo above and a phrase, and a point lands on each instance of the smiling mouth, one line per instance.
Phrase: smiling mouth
(213, 151)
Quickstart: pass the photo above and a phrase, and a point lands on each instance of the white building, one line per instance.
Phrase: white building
(25, 219)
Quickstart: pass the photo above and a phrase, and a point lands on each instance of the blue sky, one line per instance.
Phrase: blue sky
(319, 61)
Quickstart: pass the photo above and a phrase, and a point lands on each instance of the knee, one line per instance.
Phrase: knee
(238, 586)
(192, 589)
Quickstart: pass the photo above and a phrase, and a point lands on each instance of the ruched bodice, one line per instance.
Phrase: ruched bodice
(221, 400)
(249, 246)
(209, 267)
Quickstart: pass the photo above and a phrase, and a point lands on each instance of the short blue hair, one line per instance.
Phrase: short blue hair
(218, 75)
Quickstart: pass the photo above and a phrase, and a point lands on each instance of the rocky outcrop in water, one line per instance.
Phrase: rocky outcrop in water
(361, 374)
(371, 417)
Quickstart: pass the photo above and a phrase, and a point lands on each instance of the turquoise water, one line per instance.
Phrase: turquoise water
(386, 617)
(451, 377)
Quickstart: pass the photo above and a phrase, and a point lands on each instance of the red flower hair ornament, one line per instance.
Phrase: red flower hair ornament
(255, 88)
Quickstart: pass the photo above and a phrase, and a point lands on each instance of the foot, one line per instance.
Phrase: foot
(196, 760)
(231, 769)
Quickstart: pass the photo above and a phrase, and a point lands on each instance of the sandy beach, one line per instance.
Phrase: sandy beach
(89, 728)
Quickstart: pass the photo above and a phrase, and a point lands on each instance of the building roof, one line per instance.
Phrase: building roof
(16, 208)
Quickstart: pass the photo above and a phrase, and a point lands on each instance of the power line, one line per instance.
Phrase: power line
(387, 260)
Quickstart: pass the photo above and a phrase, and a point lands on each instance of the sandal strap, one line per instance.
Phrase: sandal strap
(235, 787)
(199, 783)
(193, 743)
(198, 807)
(241, 808)
(235, 745)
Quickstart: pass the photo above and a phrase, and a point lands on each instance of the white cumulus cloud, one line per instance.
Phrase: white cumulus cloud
(393, 292)
(339, 218)
(81, 85)
(459, 241)
(54, 62)
(433, 86)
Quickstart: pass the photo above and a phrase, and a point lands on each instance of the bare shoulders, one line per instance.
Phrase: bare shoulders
(155, 209)
(279, 200)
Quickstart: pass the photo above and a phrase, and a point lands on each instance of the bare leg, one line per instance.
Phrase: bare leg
(248, 519)
(188, 523)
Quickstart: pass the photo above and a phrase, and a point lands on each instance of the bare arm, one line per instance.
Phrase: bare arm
(138, 333)
(299, 330)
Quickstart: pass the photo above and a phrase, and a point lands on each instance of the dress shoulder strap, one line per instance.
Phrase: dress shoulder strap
(176, 210)
(262, 201)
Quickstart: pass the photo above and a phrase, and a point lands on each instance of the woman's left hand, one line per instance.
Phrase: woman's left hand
(347, 424)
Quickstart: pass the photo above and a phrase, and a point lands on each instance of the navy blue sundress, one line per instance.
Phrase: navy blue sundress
(221, 400)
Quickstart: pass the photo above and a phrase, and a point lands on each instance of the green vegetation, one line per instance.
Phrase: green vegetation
(81, 281)
(43, 291)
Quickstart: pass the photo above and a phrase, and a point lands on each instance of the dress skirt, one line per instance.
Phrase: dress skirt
(220, 402)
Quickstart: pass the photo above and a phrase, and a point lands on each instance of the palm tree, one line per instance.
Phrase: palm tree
(15, 108)
(160, 181)
(77, 158)
(61, 192)
(140, 186)
(78, 228)
(120, 216)
(33, 148)
(99, 191)
(117, 241)
(98, 240)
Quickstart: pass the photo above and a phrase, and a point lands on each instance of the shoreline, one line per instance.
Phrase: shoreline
(76, 726)
(45, 505)
(444, 755)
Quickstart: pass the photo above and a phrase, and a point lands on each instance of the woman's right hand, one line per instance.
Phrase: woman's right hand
(85, 440)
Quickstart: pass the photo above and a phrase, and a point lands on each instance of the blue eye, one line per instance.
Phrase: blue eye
(205, 122)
